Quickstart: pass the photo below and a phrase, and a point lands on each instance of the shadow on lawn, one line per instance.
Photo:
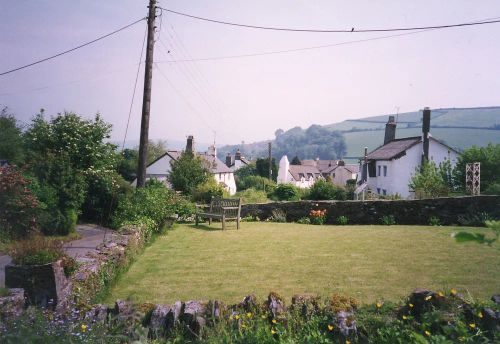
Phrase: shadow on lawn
(215, 227)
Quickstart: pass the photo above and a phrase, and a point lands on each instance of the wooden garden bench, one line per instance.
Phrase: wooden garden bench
(223, 209)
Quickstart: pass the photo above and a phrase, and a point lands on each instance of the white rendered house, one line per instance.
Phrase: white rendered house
(388, 169)
(306, 174)
(161, 167)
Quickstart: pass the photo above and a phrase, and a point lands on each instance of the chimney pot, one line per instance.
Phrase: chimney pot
(390, 130)
(229, 160)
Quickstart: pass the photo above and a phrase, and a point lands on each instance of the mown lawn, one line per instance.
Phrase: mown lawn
(367, 262)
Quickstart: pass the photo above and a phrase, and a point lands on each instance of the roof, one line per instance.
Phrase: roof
(321, 165)
(296, 170)
(398, 147)
(216, 166)
(394, 149)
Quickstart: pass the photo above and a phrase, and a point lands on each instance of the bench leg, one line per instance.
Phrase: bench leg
(238, 223)
(223, 222)
(209, 221)
(196, 219)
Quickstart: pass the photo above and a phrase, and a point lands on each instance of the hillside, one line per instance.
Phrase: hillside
(457, 127)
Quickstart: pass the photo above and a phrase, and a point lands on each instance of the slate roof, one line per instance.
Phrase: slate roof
(394, 149)
(216, 166)
(296, 170)
(322, 165)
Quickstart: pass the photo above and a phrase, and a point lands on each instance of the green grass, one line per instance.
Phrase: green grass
(367, 262)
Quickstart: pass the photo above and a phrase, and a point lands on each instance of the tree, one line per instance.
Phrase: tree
(69, 153)
(155, 150)
(262, 168)
(488, 156)
(428, 182)
(188, 172)
(325, 190)
(11, 141)
(295, 161)
(286, 192)
(127, 165)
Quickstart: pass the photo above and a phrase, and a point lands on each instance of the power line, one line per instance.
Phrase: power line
(215, 58)
(72, 49)
(330, 31)
(135, 87)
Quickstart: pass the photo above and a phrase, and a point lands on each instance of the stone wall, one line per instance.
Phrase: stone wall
(449, 210)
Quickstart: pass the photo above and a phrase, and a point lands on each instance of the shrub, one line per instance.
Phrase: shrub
(317, 217)
(250, 218)
(342, 220)
(493, 189)
(286, 192)
(154, 202)
(206, 191)
(36, 250)
(255, 182)
(188, 173)
(304, 221)
(388, 220)
(252, 195)
(278, 215)
(104, 191)
(428, 182)
(18, 205)
(325, 190)
(434, 221)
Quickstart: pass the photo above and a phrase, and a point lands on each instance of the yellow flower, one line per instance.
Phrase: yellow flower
(440, 294)
(249, 315)
(330, 327)
(84, 327)
(410, 305)
(263, 316)
(480, 315)
(427, 333)
(243, 326)
(453, 291)
(230, 317)
(428, 298)
(405, 317)
(236, 316)
(273, 331)
(379, 305)
(274, 321)
(472, 325)
(347, 342)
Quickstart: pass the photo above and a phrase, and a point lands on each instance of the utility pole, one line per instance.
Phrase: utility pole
(270, 160)
(146, 100)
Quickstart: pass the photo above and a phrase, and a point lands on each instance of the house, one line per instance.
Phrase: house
(236, 162)
(388, 169)
(160, 168)
(306, 174)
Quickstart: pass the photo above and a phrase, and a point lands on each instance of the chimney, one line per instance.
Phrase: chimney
(190, 144)
(390, 130)
(228, 160)
(426, 126)
(364, 172)
(341, 163)
(237, 156)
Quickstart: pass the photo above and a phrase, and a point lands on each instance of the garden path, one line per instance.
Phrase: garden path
(90, 237)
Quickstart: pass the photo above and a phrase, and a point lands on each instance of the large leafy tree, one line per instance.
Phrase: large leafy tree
(488, 156)
(70, 155)
(188, 172)
(11, 141)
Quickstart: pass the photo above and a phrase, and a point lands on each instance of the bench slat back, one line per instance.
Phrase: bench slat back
(217, 204)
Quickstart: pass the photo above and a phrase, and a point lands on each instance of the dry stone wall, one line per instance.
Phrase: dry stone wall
(449, 210)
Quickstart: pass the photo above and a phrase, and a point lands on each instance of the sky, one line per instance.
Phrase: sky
(236, 99)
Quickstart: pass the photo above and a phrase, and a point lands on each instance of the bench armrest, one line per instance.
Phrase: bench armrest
(230, 208)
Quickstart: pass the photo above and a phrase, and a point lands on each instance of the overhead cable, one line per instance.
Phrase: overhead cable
(72, 49)
(352, 30)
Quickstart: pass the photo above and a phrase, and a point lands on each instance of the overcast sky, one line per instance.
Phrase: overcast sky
(247, 98)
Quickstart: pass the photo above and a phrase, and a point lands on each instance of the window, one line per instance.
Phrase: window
(385, 171)
(384, 192)
(378, 174)
(378, 191)
(333, 175)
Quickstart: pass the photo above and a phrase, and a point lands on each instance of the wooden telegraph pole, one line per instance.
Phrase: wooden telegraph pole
(270, 166)
(146, 100)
